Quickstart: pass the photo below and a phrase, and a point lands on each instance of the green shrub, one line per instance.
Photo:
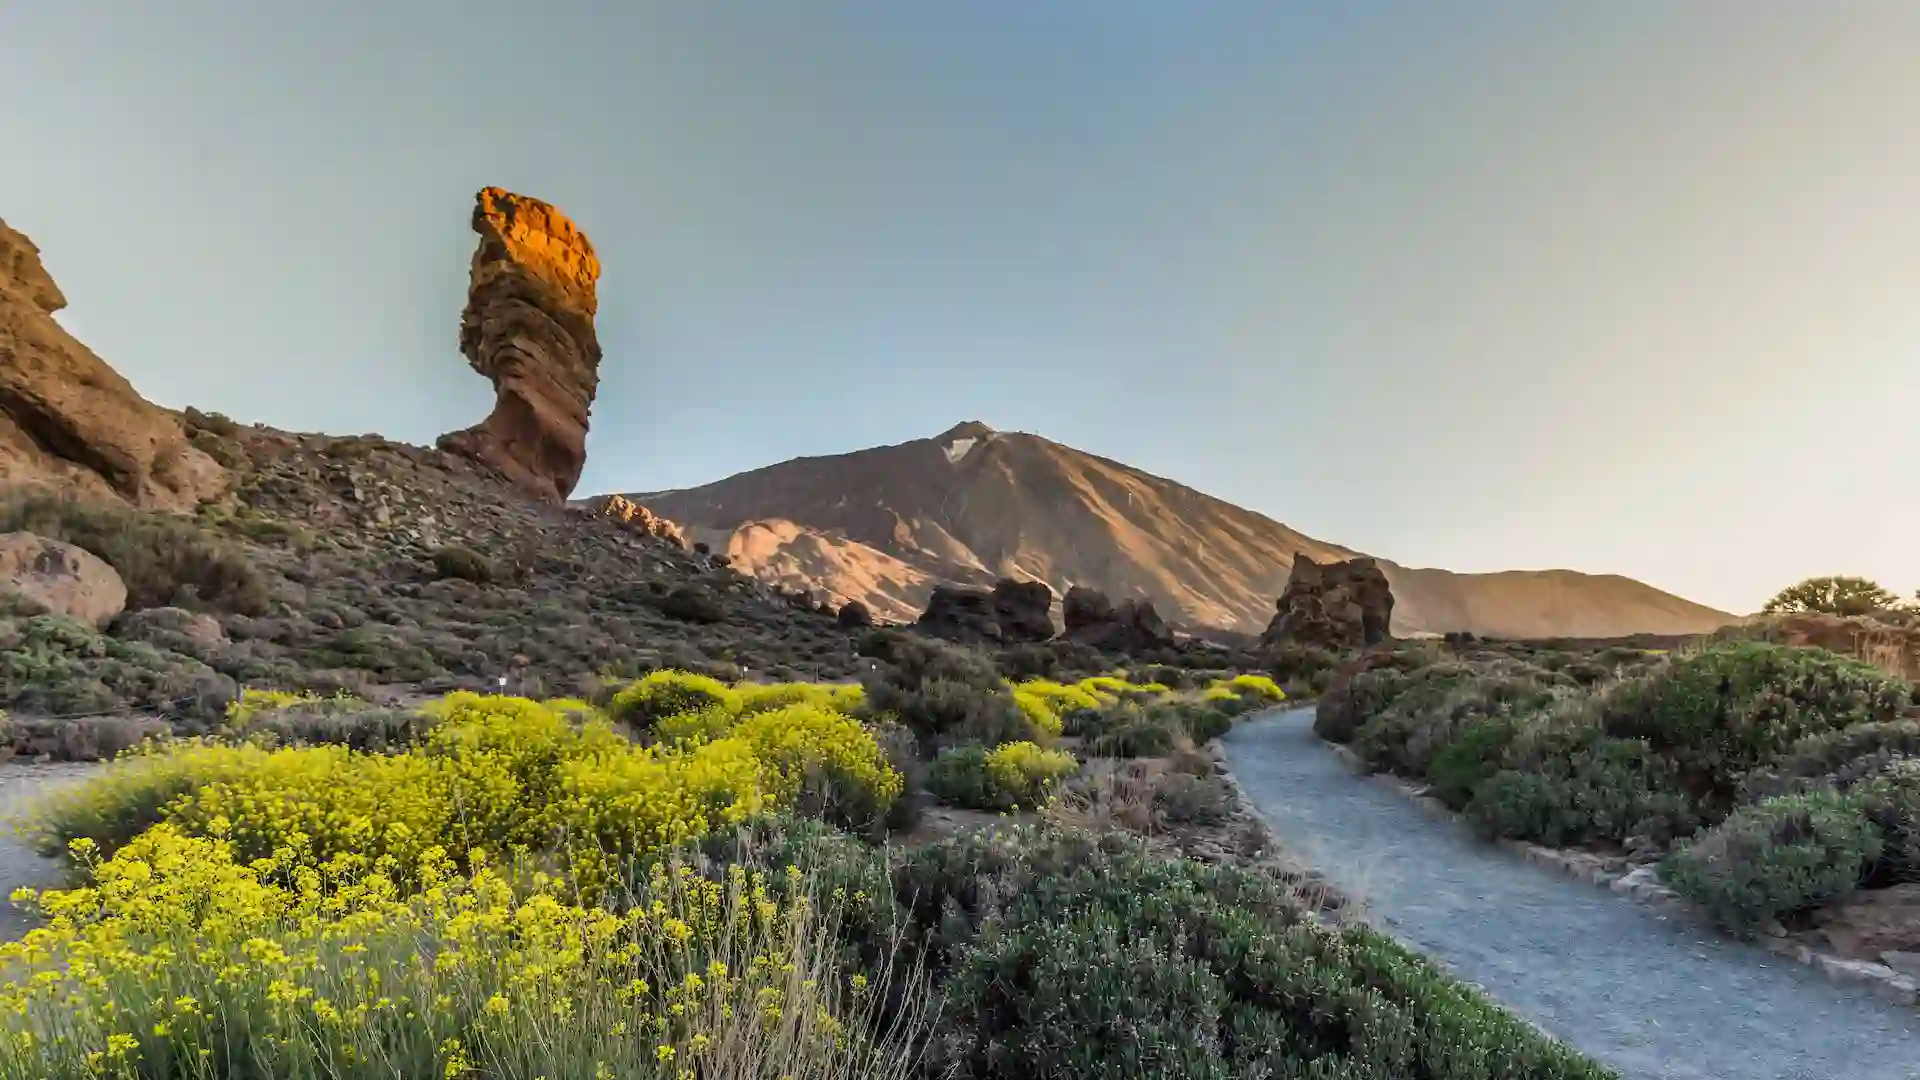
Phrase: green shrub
(51, 664)
(1836, 758)
(1192, 800)
(1776, 858)
(1891, 800)
(1107, 960)
(1607, 788)
(1134, 730)
(944, 694)
(1733, 708)
(165, 560)
(1472, 758)
(1013, 776)
(462, 563)
(1351, 702)
(959, 776)
(662, 694)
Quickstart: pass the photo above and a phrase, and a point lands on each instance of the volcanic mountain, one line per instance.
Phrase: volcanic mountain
(971, 505)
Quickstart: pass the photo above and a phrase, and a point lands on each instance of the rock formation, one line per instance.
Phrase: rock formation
(958, 613)
(1011, 611)
(1131, 626)
(528, 326)
(1338, 605)
(61, 578)
(67, 420)
(1024, 610)
(854, 616)
(633, 516)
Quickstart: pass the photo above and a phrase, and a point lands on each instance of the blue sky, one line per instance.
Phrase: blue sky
(1626, 287)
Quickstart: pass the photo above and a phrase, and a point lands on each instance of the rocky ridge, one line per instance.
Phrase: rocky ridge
(68, 421)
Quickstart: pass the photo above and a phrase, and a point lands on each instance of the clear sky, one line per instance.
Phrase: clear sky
(1628, 287)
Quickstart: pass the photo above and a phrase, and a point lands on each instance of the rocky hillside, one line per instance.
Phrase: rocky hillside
(971, 505)
(159, 561)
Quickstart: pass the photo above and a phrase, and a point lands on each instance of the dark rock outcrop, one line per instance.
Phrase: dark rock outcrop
(528, 326)
(959, 613)
(1339, 605)
(68, 420)
(1131, 626)
(854, 616)
(1012, 611)
(1024, 610)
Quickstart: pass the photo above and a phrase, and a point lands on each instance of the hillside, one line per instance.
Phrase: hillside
(884, 525)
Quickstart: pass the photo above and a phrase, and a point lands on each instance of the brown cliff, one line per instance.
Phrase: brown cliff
(528, 326)
(67, 419)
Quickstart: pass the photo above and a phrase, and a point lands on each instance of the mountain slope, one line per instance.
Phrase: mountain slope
(885, 525)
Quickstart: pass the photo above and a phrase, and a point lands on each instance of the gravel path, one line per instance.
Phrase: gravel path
(20, 785)
(1654, 999)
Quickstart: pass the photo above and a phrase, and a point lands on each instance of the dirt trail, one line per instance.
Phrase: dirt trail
(1651, 998)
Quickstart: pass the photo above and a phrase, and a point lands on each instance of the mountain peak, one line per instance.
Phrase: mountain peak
(970, 429)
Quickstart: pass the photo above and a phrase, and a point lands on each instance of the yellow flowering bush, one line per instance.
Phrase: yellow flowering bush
(1111, 689)
(765, 697)
(1260, 688)
(252, 702)
(496, 774)
(1029, 773)
(821, 762)
(666, 693)
(183, 960)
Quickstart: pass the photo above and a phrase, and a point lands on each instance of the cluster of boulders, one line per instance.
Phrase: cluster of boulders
(632, 516)
(1339, 605)
(1015, 612)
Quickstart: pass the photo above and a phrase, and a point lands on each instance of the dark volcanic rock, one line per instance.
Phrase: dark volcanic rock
(958, 613)
(528, 326)
(1335, 605)
(854, 616)
(1131, 626)
(1024, 610)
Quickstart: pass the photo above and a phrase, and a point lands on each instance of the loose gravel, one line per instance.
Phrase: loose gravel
(1652, 997)
(20, 786)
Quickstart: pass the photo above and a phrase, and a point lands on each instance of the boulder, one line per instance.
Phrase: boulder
(1339, 605)
(632, 516)
(174, 628)
(1132, 626)
(1024, 610)
(64, 579)
(1872, 922)
(68, 421)
(528, 326)
(1012, 611)
(960, 613)
(854, 616)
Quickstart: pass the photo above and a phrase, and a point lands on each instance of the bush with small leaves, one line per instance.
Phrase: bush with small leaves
(1012, 776)
(1776, 858)
(462, 563)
